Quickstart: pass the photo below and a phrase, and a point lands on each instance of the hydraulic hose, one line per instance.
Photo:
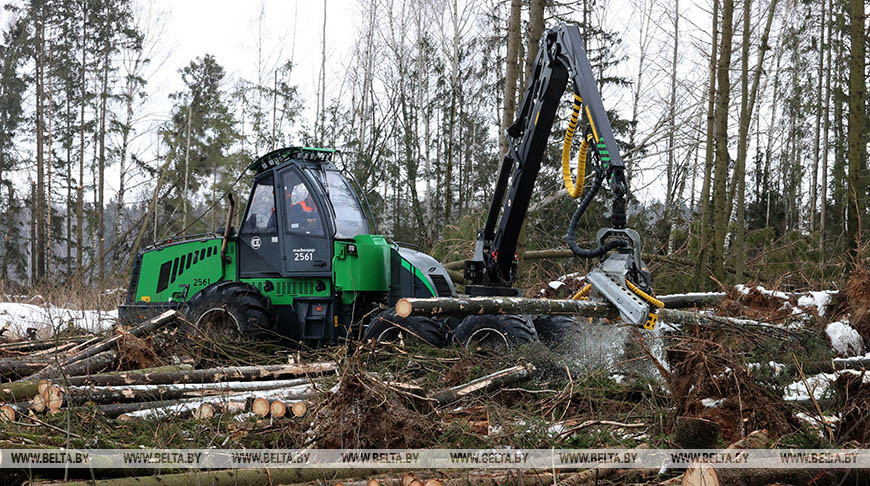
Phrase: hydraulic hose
(574, 190)
(575, 220)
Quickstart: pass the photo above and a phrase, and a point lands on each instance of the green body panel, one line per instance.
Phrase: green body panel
(416, 271)
(197, 263)
(285, 289)
(366, 271)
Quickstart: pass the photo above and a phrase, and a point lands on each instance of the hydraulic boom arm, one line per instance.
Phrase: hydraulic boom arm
(492, 269)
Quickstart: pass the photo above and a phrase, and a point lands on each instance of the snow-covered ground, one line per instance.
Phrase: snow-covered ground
(17, 318)
(819, 384)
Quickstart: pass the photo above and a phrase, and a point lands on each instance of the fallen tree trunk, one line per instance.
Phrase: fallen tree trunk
(501, 305)
(704, 475)
(449, 306)
(89, 365)
(165, 407)
(43, 344)
(229, 477)
(142, 393)
(498, 378)
(566, 253)
(108, 344)
(700, 299)
(18, 367)
(210, 375)
(24, 390)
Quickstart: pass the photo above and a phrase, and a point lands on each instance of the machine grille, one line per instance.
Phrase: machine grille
(441, 284)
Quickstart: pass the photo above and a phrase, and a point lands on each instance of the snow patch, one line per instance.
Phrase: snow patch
(845, 341)
(819, 300)
(47, 320)
(710, 403)
(819, 384)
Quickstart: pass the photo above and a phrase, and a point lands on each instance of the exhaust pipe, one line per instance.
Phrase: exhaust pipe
(227, 228)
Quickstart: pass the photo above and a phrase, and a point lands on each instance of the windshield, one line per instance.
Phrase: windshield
(349, 218)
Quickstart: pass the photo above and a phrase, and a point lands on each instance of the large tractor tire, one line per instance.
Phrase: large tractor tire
(495, 331)
(553, 330)
(387, 326)
(230, 310)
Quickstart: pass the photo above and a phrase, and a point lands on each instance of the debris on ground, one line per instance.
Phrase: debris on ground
(714, 386)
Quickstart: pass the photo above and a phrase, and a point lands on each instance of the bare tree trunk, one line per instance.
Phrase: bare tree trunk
(535, 30)
(454, 88)
(672, 114)
(39, 198)
(857, 114)
(510, 78)
(130, 95)
(747, 104)
(33, 246)
(814, 186)
(184, 194)
(48, 167)
(720, 197)
(706, 214)
(824, 194)
(80, 191)
(104, 95)
(322, 136)
(69, 178)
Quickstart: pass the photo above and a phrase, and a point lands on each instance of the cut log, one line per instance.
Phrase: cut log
(373, 482)
(566, 253)
(229, 477)
(140, 393)
(433, 482)
(162, 408)
(696, 433)
(211, 375)
(43, 344)
(19, 367)
(449, 306)
(408, 478)
(277, 409)
(105, 345)
(24, 390)
(502, 377)
(204, 412)
(299, 409)
(7, 414)
(91, 364)
(700, 299)
(260, 407)
(42, 386)
(704, 475)
(55, 398)
(37, 404)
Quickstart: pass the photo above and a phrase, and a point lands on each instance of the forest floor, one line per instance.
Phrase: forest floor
(794, 371)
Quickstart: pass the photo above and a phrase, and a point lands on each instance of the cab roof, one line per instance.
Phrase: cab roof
(281, 155)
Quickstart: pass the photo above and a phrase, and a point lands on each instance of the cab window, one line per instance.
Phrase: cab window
(261, 216)
(302, 213)
(349, 218)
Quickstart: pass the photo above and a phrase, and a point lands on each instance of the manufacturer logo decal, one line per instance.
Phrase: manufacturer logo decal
(255, 243)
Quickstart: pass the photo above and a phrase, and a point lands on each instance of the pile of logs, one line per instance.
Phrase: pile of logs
(53, 376)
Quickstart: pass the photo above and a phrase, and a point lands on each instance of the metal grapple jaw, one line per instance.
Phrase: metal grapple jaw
(624, 280)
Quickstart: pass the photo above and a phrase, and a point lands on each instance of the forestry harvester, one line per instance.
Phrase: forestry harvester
(304, 263)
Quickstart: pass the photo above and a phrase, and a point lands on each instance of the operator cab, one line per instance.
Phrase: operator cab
(299, 204)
